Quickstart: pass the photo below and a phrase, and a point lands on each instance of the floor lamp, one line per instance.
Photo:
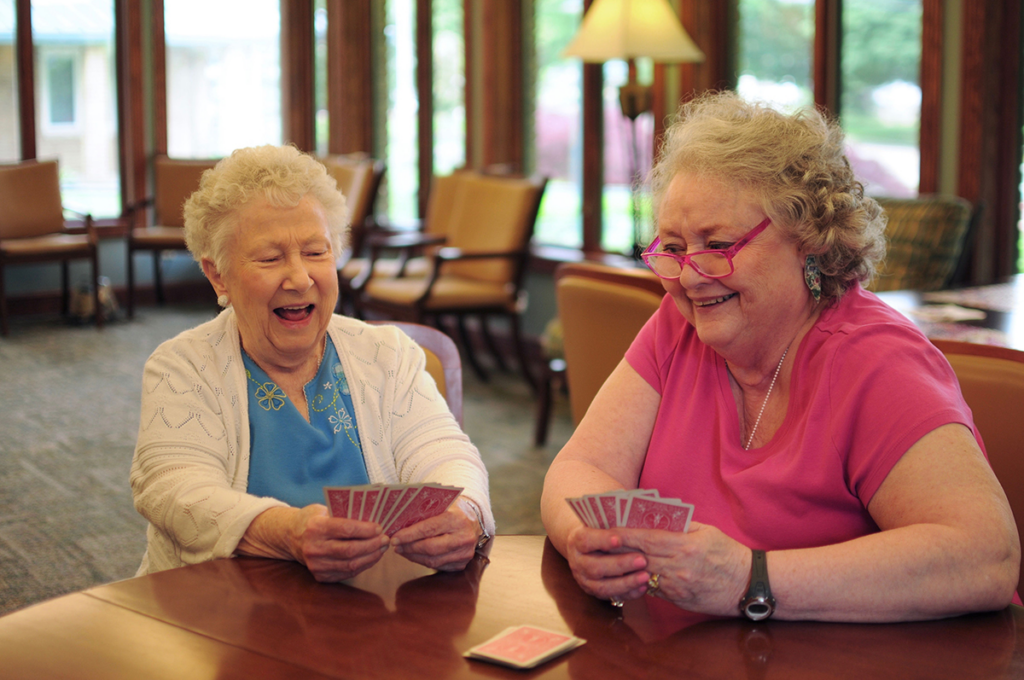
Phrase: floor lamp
(628, 29)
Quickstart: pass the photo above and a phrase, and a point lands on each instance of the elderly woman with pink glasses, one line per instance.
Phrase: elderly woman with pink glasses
(820, 437)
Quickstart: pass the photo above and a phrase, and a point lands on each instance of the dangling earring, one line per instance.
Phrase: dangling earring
(223, 300)
(812, 275)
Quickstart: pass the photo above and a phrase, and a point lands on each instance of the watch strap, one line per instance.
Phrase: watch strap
(758, 603)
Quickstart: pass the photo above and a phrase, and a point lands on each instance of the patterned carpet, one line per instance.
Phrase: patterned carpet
(69, 409)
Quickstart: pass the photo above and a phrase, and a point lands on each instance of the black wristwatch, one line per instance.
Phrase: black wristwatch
(758, 604)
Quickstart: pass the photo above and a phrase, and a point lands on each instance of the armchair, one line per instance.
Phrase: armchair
(480, 269)
(33, 229)
(174, 180)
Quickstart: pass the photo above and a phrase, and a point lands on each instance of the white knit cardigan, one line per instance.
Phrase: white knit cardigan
(191, 467)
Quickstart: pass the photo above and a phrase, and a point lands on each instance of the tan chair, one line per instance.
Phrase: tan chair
(174, 180)
(443, 361)
(33, 229)
(414, 247)
(926, 237)
(992, 382)
(601, 309)
(480, 270)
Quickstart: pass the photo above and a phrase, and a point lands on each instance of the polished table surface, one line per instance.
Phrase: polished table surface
(252, 618)
(999, 308)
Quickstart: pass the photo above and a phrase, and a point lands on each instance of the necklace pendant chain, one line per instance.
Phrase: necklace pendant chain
(757, 422)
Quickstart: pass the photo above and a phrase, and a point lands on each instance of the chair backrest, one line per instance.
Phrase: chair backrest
(443, 361)
(174, 180)
(601, 309)
(992, 382)
(926, 236)
(30, 203)
(444, 191)
(493, 215)
(359, 177)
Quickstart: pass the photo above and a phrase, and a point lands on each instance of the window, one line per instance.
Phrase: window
(223, 76)
(321, 126)
(10, 148)
(774, 49)
(76, 108)
(449, 86)
(60, 89)
(880, 100)
(558, 123)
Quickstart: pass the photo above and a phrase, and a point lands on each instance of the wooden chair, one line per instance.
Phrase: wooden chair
(601, 309)
(926, 238)
(480, 270)
(413, 247)
(174, 180)
(33, 229)
(992, 381)
(443, 361)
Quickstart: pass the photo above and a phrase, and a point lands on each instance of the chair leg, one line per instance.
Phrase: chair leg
(4, 330)
(524, 362)
(65, 294)
(543, 417)
(131, 281)
(492, 347)
(470, 353)
(157, 279)
(95, 262)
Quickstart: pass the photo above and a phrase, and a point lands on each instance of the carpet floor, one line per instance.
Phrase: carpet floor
(69, 415)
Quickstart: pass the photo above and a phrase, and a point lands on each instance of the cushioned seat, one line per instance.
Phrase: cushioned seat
(926, 237)
(480, 270)
(174, 180)
(992, 382)
(33, 229)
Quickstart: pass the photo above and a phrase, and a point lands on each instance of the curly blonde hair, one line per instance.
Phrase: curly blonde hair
(795, 166)
(282, 175)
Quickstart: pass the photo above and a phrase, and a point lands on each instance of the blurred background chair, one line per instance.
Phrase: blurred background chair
(992, 381)
(174, 180)
(443, 362)
(359, 178)
(928, 238)
(33, 229)
(480, 270)
(600, 310)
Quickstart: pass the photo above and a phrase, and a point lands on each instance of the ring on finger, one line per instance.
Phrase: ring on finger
(616, 601)
(653, 583)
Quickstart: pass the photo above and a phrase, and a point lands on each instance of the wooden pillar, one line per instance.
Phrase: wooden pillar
(297, 82)
(350, 87)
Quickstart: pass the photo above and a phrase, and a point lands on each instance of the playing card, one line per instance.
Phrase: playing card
(524, 646)
(338, 498)
(389, 496)
(658, 513)
(431, 500)
(370, 499)
(632, 508)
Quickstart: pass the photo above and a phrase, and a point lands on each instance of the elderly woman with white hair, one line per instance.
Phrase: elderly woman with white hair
(247, 417)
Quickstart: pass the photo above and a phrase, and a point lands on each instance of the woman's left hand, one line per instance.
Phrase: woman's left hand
(702, 571)
(446, 542)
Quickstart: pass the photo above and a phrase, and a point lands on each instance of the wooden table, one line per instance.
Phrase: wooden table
(251, 618)
(1002, 305)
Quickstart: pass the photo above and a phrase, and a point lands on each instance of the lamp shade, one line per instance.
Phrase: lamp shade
(626, 29)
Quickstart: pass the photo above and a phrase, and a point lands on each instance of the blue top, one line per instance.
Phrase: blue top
(291, 459)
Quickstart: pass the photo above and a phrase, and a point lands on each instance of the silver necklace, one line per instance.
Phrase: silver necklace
(765, 402)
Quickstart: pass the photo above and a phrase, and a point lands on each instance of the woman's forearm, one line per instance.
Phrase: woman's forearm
(269, 535)
(569, 479)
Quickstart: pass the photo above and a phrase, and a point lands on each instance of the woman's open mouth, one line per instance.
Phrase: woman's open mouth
(718, 300)
(294, 313)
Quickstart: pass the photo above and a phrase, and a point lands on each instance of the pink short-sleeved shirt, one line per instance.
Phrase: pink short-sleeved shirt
(866, 385)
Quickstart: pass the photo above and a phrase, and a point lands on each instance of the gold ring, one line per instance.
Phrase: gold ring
(653, 583)
(616, 601)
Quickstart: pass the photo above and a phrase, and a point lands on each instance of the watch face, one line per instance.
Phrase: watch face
(758, 608)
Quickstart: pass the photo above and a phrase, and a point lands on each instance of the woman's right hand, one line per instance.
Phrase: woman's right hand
(602, 567)
(336, 548)
(332, 548)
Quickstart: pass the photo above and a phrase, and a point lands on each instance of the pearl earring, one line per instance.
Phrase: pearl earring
(223, 300)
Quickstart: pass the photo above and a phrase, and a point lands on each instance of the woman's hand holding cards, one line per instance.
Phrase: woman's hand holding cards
(446, 542)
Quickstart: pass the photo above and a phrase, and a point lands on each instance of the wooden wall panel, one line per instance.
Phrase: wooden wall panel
(297, 81)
